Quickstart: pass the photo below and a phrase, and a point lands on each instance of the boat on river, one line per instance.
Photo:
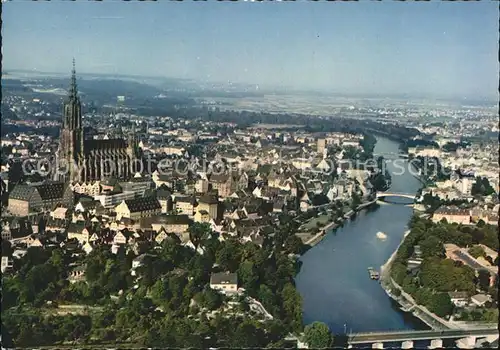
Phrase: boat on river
(382, 236)
(374, 275)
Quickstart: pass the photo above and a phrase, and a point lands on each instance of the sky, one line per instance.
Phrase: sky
(440, 49)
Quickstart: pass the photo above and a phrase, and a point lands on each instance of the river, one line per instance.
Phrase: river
(334, 281)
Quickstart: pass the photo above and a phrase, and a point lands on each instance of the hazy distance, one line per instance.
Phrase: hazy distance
(435, 49)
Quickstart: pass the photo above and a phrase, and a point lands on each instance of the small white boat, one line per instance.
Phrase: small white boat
(382, 236)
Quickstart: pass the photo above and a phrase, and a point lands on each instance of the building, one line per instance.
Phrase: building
(452, 214)
(85, 160)
(7, 263)
(137, 208)
(480, 299)
(79, 232)
(210, 204)
(185, 205)
(224, 282)
(201, 186)
(25, 199)
(111, 199)
(321, 146)
(91, 188)
(178, 224)
(459, 299)
(165, 199)
(202, 216)
(223, 184)
(77, 274)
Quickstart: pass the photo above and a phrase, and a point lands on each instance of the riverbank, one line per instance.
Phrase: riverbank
(406, 301)
(333, 225)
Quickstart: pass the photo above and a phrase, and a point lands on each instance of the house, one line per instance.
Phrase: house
(165, 198)
(59, 213)
(121, 237)
(224, 282)
(191, 245)
(210, 204)
(6, 232)
(305, 202)
(79, 232)
(414, 263)
(137, 262)
(138, 208)
(480, 299)
(459, 299)
(32, 241)
(242, 181)
(93, 207)
(278, 206)
(77, 274)
(87, 247)
(90, 188)
(7, 263)
(185, 205)
(223, 184)
(178, 224)
(202, 216)
(201, 186)
(417, 252)
(452, 214)
(163, 235)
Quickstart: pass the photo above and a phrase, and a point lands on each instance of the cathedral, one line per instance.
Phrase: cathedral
(86, 160)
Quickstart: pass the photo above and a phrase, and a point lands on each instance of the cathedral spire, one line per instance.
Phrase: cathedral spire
(72, 89)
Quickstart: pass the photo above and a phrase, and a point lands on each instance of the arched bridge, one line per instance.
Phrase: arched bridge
(395, 194)
(391, 155)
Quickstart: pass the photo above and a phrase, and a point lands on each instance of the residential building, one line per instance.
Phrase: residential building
(224, 282)
(185, 205)
(452, 214)
(178, 224)
(138, 208)
(210, 204)
(459, 299)
(25, 199)
(480, 299)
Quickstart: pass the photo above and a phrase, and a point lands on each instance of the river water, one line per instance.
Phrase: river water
(334, 281)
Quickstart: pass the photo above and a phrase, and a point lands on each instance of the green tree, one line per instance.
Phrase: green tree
(293, 244)
(483, 280)
(292, 307)
(432, 246)
(317, 335)
(441, 304)
(477, 251)
(248, 275)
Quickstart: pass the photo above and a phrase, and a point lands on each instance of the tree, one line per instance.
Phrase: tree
(198, 232)
(477, 251)
(432, 246)
(483, 280)
(441, 304)
(293, 244)
(292, 307)
(248, 275)
(209, 299)
(317, 335)
(482, 187)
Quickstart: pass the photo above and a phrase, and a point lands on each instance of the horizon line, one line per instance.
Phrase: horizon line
(280, 89)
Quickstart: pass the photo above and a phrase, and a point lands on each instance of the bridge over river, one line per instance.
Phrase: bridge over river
(395, 194)
(391, 155)
(465, 337)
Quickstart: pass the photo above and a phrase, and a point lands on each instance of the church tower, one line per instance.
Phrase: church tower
(71, 152)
